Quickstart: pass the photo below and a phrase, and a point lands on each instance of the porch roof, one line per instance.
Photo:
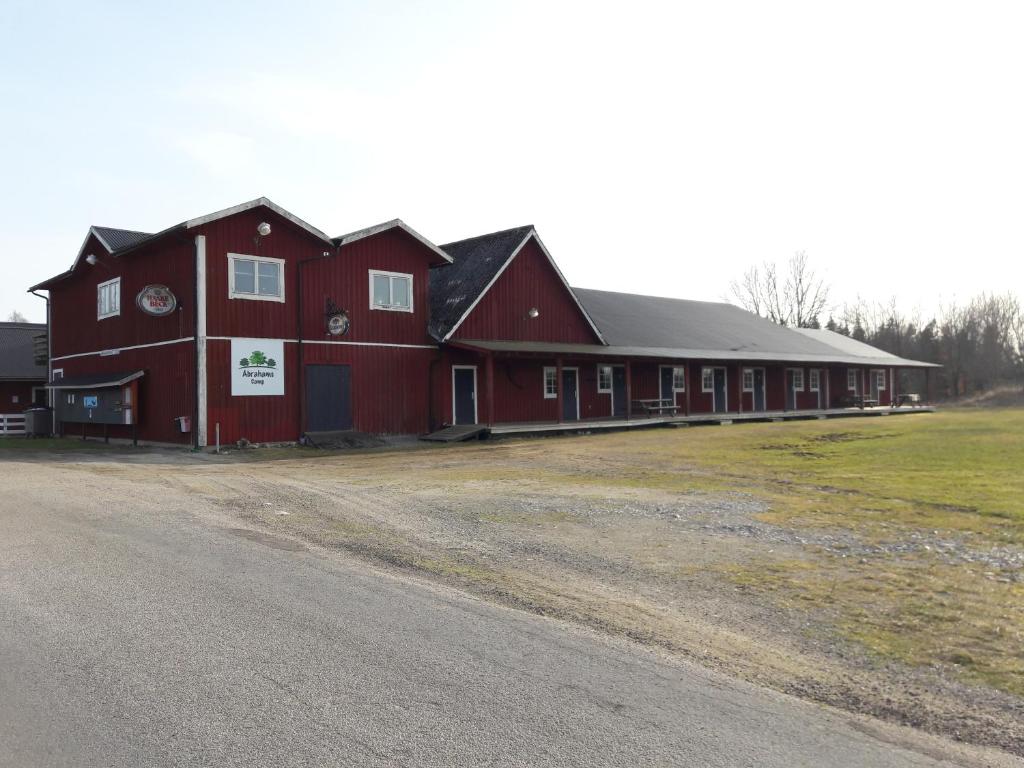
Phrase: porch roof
(835, 356)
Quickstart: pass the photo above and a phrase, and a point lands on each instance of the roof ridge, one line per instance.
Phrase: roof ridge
(121, 229)
(489, 234)
(663, 298)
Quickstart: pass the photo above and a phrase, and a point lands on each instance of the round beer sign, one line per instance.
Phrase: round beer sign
(156, 300)
(338, 324)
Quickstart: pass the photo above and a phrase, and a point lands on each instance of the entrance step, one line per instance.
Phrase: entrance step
(331, 441)
(456, 434)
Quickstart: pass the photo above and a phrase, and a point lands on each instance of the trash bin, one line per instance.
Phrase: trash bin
(39, 421)
(184, 423)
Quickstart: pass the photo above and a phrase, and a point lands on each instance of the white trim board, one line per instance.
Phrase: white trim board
(257, 203)
(376, 229)
(328, 341)
(531, 234)
(119, 350)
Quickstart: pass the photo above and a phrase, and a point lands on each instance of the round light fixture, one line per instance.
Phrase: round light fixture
(263, 229)
(90, 259)
(534, 313)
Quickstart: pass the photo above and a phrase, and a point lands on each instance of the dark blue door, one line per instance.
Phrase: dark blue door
(570, 395)
(720, 403)
(619, 390)
(758, 389)
(465, 395)
(666, 385)
(328, 398)
(790, 390)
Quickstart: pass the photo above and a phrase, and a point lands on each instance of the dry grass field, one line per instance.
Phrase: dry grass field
(872, 564)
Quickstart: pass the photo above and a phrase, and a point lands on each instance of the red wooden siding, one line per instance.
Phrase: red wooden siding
(166, 390)
(73, 301)
(22, 390)
(528, 282)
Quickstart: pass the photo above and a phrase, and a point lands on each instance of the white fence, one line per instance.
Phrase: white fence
(12, 424)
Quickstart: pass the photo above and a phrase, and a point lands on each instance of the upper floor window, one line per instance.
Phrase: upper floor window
(604, 378)
(108, 298)
(390, 290)
(255, 277)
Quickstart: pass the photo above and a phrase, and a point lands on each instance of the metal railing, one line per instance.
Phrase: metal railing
(12, 424)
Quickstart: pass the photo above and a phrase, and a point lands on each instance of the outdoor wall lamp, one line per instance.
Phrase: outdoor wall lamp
(263, 229)
(534, 313)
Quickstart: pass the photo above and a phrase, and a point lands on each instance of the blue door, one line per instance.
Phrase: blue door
(570, 394)
(759, 389)
(666, 386)
(464, 387)
(720, 400)
(619, 390)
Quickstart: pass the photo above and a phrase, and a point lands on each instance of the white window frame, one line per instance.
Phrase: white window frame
(553, 371)
(101, 315)
(798, 379)
(851, 379)
(678, 369)
(748, 372)
(392, 275)
(611, 379)
(707, 374)
(814, 380)
(880, 379)
(233, 294)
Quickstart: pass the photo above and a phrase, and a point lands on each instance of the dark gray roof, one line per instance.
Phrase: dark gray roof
(714, 330)
(17, 354)
(117, 239)
(96, 380)
(476, 261)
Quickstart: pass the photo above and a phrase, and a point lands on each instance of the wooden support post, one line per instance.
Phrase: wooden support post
(629, 390)
(489, 366)
(686, 373)
(828, 388)
(558, 388)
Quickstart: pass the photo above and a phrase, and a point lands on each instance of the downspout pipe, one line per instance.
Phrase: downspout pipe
(49, 362)
(300, 399)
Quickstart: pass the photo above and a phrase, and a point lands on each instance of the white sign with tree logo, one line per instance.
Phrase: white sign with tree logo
(257, 367)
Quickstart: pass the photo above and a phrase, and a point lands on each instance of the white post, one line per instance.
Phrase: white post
(201, 376)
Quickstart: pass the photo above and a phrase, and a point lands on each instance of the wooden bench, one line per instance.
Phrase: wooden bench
(659, 407)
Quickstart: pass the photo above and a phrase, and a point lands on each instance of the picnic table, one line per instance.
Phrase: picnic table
(656, 406)
(859, 401)
(908, 398)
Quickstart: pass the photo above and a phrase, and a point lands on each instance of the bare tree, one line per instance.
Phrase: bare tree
(797, 299)
(16, 317)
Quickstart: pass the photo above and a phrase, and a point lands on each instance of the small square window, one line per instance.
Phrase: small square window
(391, 291)
(604, 378)
(550, 383)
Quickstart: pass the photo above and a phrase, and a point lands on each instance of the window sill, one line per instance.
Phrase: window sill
(254, 297)
(407, 310)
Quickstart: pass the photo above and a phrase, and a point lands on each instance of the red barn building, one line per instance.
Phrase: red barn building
(22, 373)
(251, 323)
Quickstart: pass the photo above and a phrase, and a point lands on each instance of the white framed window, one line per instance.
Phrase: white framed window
(851, 379)
(108, 298)
(880, 380)
(748, 379)
(550, 383)
(257, 278)
(798, 379)
(814, 380)
(679, 379)
(604, 378)
(707, 379)
(391, 291)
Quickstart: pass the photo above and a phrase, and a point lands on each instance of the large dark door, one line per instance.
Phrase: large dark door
(790, 390)
(464, 382)
(759, 389)
(570, 394)
(619, 390)
(328, 398)
(720, 400)
(666, 385)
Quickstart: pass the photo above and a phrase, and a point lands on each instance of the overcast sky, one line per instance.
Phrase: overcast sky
(658, 147)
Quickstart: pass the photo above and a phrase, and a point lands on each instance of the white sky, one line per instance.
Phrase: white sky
(658, 147)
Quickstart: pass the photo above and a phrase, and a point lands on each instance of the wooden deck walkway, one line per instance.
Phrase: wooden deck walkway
(588, 425)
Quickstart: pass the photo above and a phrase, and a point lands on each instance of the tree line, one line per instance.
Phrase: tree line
(979, 343)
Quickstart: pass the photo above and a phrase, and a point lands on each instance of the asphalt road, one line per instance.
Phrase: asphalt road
(136, 633)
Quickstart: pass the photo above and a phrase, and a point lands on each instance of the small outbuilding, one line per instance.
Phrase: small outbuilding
(22, 372)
